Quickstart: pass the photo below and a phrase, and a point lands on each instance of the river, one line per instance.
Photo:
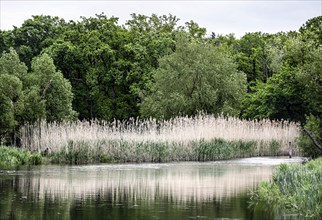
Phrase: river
(179, 190)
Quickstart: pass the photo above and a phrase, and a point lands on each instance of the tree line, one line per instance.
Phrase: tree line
(94, 68)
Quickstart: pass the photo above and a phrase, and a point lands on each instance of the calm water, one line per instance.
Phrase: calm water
(187, 190)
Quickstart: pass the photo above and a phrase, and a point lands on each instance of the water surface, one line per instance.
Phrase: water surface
(183, 190)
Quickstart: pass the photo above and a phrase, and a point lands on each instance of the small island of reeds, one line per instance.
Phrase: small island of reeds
(199, 138)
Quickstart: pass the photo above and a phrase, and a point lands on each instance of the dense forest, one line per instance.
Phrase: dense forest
(57, 70)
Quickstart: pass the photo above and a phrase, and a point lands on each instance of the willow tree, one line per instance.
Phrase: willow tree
(197, 77)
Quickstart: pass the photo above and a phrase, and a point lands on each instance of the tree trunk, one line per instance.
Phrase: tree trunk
(315, 142)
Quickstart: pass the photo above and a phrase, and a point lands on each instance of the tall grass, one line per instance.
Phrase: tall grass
(203, 137)
(11, 157)
(295, 188)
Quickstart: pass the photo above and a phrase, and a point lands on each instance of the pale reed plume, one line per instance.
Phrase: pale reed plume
(179, 130)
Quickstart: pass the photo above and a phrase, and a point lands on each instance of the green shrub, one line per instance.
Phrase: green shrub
(295, 188)
(11, 157)
(307, 147)
(36, 159)
(314, 125)
(81, 152)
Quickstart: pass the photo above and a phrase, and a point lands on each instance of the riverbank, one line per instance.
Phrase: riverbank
(295, 188)
(11, 158)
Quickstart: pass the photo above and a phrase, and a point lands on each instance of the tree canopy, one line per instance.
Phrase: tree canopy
(94, 68)
(196, 77)
(41, 93)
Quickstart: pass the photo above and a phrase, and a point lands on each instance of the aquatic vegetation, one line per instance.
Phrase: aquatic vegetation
(11, 157)
(79, 152)
(200, 138)
(295, 188)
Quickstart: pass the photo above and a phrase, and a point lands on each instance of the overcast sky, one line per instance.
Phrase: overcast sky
(221, 17)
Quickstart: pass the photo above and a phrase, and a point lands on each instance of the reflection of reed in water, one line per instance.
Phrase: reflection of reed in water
(120, 183)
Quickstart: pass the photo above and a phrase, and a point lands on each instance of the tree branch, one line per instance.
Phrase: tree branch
(315, 142)
(45, 89)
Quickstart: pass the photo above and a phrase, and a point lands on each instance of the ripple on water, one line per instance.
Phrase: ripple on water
(267, 161)
(119, 166)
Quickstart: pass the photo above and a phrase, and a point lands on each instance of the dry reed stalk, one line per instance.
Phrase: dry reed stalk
(179, 130)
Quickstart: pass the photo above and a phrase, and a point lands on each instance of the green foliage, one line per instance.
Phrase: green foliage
(34, 105)
(35, 159)
(29, 97)
(250, 56)
(79, 152)
(107, 151)
(197, 77)
(311, 77)
(2, 41)
(282, 97)
(274, 147)
(54, 89)
(314, 125)
(96, 68)
(295, 189)
(34, 35)
(110, 66)
(10, 64)
(7, 119)
(11, 94)
(219, 149)
(11, 158)
(293, 92)
(195, 30)
(312, 29)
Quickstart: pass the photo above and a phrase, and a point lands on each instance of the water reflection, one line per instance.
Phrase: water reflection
(132, 191)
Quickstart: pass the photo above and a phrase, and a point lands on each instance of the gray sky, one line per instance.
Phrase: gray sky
(221, 17)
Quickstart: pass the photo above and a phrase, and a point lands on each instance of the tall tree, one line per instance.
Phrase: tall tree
(196, 77)
(312, 30)
(92, 55)
(252, 57)
(52, 88)
(11, 104)
(108, 65)
(34, 35)
(281, 97)
(151, 37)
(12, 71)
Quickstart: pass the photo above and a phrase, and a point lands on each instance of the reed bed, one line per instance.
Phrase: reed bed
(295, 189)
(203, 137)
